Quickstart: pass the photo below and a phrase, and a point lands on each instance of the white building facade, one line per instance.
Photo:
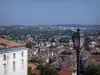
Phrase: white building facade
(13, 61)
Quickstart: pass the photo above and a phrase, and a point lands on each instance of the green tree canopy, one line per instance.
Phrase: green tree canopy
(46, 70)
(30, 45)
(64, 40)
(66, 53)
(30, 71)
(92, 69)
(96, 53)
(86, 43)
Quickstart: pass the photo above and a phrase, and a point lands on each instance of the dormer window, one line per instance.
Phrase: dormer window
(22, 61)
(4, 57)
(22, 54)
(14, 66)
(4, 68)
(14, 56)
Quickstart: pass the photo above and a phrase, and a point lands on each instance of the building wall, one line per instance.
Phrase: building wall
(18, 63)
(74, 73)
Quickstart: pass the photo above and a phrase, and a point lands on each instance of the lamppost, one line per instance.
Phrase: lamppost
(78, 43)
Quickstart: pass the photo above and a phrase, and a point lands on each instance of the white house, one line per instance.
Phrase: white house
(13, 61)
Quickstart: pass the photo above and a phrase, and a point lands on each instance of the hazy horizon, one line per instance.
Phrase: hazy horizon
(17, 12)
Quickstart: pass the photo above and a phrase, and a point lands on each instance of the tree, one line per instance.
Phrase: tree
(64, 40)
(34, 73)
(46, 70)
(92, 69)
(37, 60)
(51, 71)
(50, 61)
(30, 45)
(66, 53)
(52, 40)
(43, 69)
(30, 71)
(86, 43)
(96, 53)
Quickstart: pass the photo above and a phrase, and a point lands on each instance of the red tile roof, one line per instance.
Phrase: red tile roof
(65, 73)
(62, 72)
(95, 57)
(32, 65)
(10, 43)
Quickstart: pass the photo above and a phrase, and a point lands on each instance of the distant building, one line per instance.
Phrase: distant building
(92, 44)
(70, 43)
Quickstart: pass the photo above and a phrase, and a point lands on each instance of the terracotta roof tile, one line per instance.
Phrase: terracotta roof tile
(62, 72)
(95, 57)
(32, 65)
(65, 73)
(10, 43)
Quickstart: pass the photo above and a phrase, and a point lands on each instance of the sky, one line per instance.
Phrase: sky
(49, 12)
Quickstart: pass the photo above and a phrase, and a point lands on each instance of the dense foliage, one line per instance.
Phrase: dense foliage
(92, 69)
(66, 53)
(30, 71)
(15, 32)
(64, 40)
(37, 60)
(86, 43)
(96, 53)
(46, 70)
(29, 45)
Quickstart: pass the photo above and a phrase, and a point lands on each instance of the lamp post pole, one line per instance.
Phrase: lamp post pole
(78, 53)
(76, 42)
(78, 62)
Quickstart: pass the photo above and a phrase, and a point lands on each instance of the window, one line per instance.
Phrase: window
(22, 62)
(14, 65)
(4, 68)
(22, 54)
(4, 57)
(13, 55)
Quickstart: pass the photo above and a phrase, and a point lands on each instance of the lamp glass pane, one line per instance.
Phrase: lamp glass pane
(81, 40)
(76, 41)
